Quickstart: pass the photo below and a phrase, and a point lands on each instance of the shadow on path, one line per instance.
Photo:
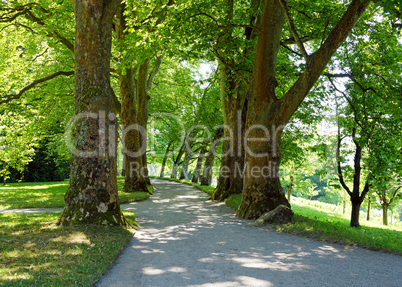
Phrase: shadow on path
(186, 240)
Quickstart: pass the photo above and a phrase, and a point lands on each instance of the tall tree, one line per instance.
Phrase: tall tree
(92, 195)
(134, 179)
(267, 114)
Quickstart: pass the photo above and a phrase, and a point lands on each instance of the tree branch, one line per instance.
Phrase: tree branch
(338, 148)
(32, 85)
(231, 68)
(319, 60)
(294, 52)
(26, 10)
(227, 25)
(394, 195)
(152, 75)
(293, 30)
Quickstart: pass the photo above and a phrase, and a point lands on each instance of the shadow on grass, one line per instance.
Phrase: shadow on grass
(35, 252)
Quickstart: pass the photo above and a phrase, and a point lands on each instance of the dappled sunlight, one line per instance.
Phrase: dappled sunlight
(250, 281)
(274, 263)
(77, 237)
(181, 227)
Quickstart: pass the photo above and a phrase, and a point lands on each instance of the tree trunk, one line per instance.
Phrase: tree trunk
(385, 213)
(142, 115)
(206, 177)
(165, 159)
(92, 195)
(368, 208)
(134, 179)
(290, 187)
(267, 115)
(198, 166)
(184, 167)
(354, 221)
(232, 166)
(4, 172)
(176, 162)
(123, 169)
(343, 206)
(262, 190)
(233, 94)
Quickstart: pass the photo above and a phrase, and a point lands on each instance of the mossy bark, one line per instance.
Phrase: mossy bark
(92, 195)
(262, 191)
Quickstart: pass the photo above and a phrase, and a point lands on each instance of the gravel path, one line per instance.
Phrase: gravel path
(187, 240)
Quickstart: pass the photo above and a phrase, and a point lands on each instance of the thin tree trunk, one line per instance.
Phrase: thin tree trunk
(165, 159)
(176, 162)
(4, 172)
(206, 177)
(92, 195)
(354, 221)
(123, 169)
(385, 214)
(368, 208)
(290, 186)
(142, 114)
(343, 206)
(198, 166)
(184, 167)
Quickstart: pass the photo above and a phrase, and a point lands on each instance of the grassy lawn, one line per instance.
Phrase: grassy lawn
(35, 252)
(315, 220)
(50, 194)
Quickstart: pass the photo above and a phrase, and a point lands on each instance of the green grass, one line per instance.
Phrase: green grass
(315, 220)
(36, 252)
(50, 194)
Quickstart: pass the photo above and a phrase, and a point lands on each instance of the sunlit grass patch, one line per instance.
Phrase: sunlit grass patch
(320, 221)
(36, 252)
(50, 194)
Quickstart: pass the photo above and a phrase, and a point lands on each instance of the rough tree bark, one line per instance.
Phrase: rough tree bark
(267, 115)
(134, 179)
(233, 93)
(92, 195)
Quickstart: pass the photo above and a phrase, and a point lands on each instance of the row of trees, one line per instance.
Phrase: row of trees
(277, 62)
